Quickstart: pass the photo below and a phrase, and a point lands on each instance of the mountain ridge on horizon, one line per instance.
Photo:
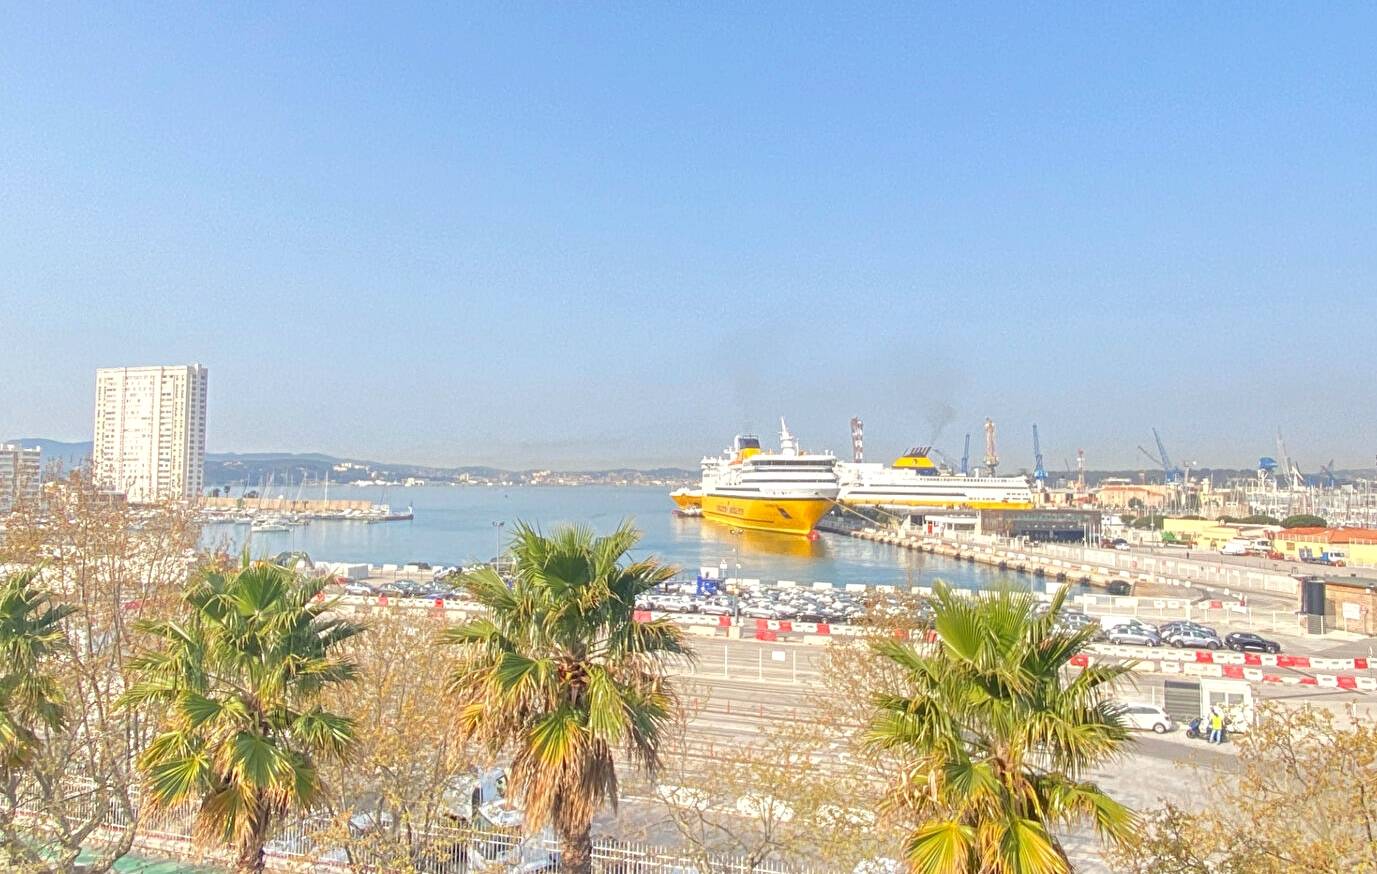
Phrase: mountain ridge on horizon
(74, 453)
(219, 466)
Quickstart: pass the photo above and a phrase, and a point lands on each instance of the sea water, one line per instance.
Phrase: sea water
(456, 525)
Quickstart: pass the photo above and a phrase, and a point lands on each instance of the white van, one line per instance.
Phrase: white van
(1147, 717)
(1236, 547)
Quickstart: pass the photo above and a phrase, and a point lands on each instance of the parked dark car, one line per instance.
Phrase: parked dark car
(1246, 640)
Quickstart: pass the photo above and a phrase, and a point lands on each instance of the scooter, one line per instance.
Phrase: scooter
(1197, 730)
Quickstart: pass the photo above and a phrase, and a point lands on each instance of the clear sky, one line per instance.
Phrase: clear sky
(595, 234)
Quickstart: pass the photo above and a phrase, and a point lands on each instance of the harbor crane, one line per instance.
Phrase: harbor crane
(1170, 474)
(966, 457)
(1330, 480)
(1039, 472)
(1289, 468)
(991, 453)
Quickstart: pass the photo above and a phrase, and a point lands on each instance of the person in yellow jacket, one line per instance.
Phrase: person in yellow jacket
(1216, 726)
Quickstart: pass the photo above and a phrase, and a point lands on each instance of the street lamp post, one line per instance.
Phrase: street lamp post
(497, 556)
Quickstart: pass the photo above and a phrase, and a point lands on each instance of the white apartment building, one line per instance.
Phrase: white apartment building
(150, 440)
(21, 476)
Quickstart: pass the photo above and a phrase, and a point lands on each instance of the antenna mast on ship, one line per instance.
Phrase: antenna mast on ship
(857, 440)
(788, 445)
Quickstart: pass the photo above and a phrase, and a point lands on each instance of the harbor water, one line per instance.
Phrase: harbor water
(455, 525)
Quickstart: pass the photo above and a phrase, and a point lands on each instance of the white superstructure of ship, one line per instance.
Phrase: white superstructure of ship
(786, 491)
(913, 481)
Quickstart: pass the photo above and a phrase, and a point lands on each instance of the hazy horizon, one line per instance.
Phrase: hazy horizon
(583, 237)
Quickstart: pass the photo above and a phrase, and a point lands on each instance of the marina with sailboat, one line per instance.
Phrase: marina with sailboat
(281, 513)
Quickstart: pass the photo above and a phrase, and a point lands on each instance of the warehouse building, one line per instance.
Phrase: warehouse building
(1358, 546)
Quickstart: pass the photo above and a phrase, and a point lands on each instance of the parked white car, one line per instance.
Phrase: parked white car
(1147, 717)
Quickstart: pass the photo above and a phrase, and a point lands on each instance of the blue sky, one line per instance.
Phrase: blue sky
(595, 234)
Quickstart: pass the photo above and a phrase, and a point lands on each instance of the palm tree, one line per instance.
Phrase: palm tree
(559, 674)
(30, 700)
(993, 740)
(239, 677)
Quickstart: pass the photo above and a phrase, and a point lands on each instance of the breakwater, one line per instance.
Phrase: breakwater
(1089, 565)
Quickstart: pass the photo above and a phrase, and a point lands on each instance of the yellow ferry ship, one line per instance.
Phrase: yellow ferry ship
(786, 492)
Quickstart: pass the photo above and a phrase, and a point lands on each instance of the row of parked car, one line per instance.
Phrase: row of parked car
(760, 602)
(1183, 634)
(433, 590)
(840, 606)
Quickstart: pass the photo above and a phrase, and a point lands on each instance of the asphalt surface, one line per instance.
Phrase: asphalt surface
(1259, 562)
(739, 689)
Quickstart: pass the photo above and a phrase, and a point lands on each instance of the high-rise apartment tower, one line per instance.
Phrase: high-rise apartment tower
(150, 436)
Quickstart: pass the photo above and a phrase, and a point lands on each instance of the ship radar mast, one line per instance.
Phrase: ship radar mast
(788, 444)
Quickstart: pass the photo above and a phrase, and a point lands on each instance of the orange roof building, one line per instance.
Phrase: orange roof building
(1358, 545)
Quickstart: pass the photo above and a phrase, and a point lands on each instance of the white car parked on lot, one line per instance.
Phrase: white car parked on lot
(1147, 717)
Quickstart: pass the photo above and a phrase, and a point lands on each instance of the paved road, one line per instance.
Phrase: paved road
(739, 687)
(1257, 562)
(758, 691)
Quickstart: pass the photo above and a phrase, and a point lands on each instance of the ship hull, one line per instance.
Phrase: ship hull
(783, 515)
(687, 500)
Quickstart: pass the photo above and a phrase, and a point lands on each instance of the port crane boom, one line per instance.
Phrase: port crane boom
(1039, 472)
(966, 457)
(1331, 480)
(1170, 473)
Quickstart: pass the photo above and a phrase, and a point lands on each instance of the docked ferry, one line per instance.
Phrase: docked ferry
(687, 499)
(786, 491)
(913, 481)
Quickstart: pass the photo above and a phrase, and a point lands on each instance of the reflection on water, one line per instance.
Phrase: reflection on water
(455, 525)
(726, 539)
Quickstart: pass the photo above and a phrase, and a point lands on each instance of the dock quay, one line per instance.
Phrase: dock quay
(1075, 563)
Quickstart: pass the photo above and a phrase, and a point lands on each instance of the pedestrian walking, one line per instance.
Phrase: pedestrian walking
(1216, 726)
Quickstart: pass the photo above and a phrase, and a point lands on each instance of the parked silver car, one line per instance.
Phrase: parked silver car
(1131, 634)
(1193, 638)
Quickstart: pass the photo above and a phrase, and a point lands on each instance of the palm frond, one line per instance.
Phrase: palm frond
(940, 848)
(992, 737)
(559, 673)
(242, 668)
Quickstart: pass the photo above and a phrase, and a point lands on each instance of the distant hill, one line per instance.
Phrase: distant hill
(251, 469)
(254, 468)
(70, 454)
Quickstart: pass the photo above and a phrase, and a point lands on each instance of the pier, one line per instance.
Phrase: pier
(1145, 574)
(248, 509)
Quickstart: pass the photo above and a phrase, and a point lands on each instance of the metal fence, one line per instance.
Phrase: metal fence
(322, 843)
